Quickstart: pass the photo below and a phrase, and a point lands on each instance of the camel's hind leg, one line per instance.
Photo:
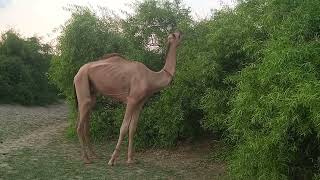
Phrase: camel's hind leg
(85, 102)
(87, 130)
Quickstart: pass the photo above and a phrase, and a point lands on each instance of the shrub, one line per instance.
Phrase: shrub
(23, 71)
(275, 110)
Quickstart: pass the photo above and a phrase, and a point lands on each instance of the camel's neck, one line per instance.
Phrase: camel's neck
(163, 78)
(170, 65)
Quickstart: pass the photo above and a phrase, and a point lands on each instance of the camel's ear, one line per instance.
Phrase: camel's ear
(180, 34)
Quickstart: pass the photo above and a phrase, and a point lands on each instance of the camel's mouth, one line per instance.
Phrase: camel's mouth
(177, 34)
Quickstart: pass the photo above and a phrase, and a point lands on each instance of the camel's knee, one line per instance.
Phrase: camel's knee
(80, 128)
(124, 129)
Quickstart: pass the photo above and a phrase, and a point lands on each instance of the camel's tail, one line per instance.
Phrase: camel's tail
(75, 96)
(76, 104)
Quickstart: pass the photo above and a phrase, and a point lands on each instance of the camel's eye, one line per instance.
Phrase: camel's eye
(173, 35)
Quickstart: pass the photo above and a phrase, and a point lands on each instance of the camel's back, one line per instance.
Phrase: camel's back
(111, 76)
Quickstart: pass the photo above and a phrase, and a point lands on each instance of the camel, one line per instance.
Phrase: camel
(129, 82)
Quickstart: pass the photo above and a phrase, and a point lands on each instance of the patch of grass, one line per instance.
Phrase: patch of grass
(60, 159)
(53, 155)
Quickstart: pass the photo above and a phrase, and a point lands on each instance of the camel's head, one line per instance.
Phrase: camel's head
(175, 38)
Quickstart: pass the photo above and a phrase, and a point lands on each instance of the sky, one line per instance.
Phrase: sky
(41, 18)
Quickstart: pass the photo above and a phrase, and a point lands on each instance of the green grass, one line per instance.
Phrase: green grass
(17, 121)
(27, 165)
(60, 159)
(53, 155)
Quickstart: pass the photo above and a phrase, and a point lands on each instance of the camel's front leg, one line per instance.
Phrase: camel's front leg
(123, 131)
(132, 130)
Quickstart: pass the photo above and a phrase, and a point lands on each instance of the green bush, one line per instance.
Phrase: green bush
(263, 97)
(274, 118)
(23, 71)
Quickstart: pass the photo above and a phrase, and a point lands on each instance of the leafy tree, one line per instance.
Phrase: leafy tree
(24, 65)
(268, 110)
(154, 20)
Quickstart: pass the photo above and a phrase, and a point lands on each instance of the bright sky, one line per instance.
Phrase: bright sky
(41, 17)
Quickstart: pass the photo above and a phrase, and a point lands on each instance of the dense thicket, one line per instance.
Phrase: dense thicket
(250, 74)
(275, 109)
(24, 64)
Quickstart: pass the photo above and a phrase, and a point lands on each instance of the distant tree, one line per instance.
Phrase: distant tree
(24, 64)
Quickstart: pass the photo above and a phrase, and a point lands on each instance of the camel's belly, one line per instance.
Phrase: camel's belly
(110, 79)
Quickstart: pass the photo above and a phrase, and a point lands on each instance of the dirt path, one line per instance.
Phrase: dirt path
(36, 139)
(30, 126)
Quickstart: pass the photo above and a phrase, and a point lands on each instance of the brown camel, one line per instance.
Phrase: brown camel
(130, 82)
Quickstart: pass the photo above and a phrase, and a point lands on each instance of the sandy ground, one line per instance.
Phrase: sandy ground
(41, 132)
(30, 126)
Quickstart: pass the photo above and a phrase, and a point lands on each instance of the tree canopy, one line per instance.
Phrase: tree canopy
(24, 65)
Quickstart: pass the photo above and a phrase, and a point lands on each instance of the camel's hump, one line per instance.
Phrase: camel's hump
(107, 56)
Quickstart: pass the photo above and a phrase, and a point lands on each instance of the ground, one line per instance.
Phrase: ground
(33, 145)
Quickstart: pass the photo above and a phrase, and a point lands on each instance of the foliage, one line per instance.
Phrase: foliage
(24, 65)
(154, 19)
(249, 74)
(275, 110)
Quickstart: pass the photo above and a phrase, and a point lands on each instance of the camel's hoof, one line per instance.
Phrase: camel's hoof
(130, 162)
(87, 161)
(111, 162)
